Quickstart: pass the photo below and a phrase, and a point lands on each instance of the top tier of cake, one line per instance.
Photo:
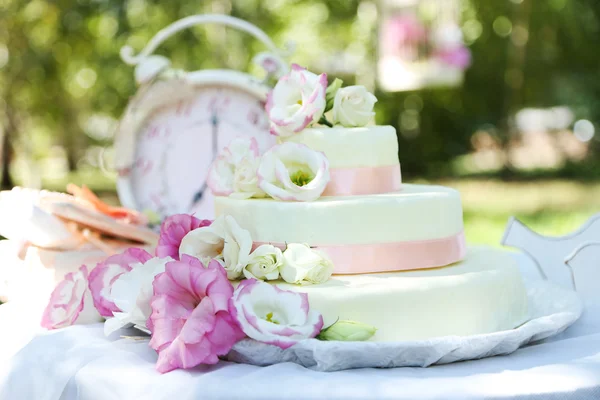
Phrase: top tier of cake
(372, 146)
(362, 160)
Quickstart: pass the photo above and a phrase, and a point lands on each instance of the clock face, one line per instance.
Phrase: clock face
(176, 145)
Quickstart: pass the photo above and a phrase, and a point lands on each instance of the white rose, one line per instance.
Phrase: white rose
(296, 101)
(233, 172)
(224, 240)
(264, 263)
(293, 171)
(302, 265)
(353, 106)
(132, 293)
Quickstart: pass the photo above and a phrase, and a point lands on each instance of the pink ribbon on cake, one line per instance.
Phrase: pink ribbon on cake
(398, 256)
(366, 180)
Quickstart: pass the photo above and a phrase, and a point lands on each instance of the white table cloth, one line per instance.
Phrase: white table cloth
(80, 363)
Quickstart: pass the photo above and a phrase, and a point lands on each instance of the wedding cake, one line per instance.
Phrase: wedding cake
(400, 262)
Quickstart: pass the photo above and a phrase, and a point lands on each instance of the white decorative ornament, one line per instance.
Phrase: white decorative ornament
(296, 102)
(294, 172)
(549, 253)
(584, 263)
(132, 293)
(264, 263)
(150, 68)
(224, 240)
(178, 121)
(353, 106)
(303, 265)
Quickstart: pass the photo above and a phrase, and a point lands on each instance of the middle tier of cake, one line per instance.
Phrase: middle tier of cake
(420, 226)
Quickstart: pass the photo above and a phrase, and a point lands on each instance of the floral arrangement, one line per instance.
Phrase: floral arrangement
(290, 171)
(188, 297)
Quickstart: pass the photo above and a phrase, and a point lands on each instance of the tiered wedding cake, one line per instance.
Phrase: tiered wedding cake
(374, 230)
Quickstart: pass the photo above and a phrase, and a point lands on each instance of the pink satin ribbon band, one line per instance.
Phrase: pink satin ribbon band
(399, 256)
(367, 180)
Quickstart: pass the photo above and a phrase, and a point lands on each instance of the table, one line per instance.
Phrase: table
(80, 363)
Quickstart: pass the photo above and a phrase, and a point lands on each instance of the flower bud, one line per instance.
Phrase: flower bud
(348, 331)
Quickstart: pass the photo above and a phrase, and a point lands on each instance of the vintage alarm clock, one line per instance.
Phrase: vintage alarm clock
(178, 122)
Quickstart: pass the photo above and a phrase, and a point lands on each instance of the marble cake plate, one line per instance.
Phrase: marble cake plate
(552, 309)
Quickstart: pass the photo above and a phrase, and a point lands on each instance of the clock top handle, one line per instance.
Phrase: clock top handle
(127, 52)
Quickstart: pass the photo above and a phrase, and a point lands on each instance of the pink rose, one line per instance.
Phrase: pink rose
(172, 231)
(190, 318)
(70, 302)
(274, 316)
(106, 273)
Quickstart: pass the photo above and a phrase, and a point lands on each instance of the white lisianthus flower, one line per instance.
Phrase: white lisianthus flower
(245, 181)
(132, 293)
(274, 316)
(293, 171)
(264, 263)
(353, 106)
(233, 172)
(303, 265)
(296, 101)
(224, 240)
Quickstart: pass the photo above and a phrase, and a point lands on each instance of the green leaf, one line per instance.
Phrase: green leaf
(330, 93)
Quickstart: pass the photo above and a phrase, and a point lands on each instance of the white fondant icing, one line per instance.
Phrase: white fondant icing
(371, 146)
(417, 212)
(482, 294)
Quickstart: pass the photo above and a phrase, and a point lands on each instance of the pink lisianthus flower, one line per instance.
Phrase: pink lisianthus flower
(296, 101)
(190, 320)
(103, 276)
(70, 303)
(172, 231)
(274, 316)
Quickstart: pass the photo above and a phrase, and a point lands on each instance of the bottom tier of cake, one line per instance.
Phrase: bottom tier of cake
(482, 294)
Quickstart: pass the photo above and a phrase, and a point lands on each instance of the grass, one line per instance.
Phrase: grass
(549, 207)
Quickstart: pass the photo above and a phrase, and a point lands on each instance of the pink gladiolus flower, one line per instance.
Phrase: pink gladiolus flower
(70, 302)
(190, 320)
(106, 273)
(172, 231)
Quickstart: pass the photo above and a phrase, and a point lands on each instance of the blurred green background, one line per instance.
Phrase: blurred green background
(517, 137)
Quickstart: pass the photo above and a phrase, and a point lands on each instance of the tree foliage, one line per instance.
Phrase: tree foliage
(61, 75)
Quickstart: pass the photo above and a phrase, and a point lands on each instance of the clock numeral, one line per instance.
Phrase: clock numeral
(218, 105)
(143, 165)
(184, 108)
(124, 171)
(253, 117)
(156, 199)
(157, 132)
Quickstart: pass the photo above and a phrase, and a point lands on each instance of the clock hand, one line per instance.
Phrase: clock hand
(215, 148)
